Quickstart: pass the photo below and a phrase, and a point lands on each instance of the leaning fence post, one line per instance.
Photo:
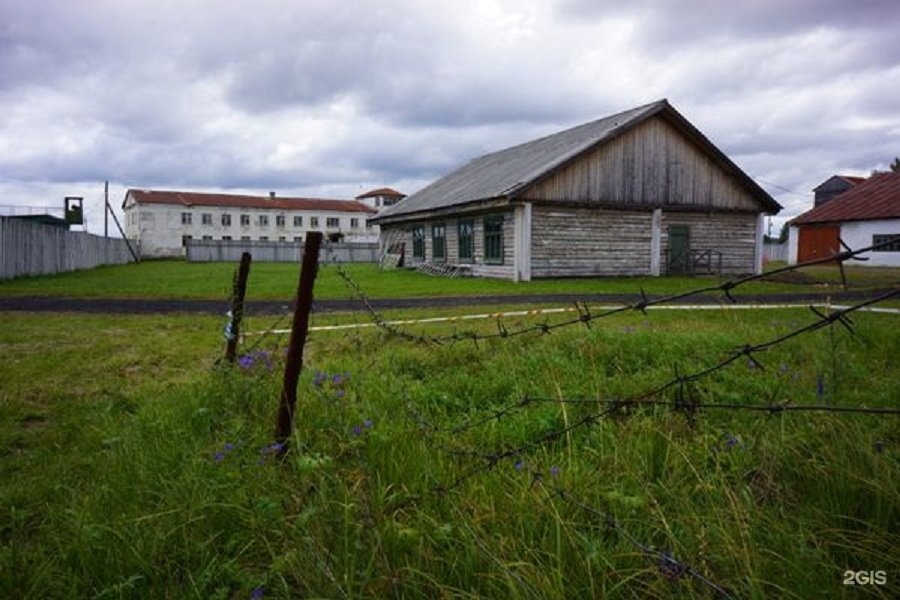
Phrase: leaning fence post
(294, 361)
(239, 290)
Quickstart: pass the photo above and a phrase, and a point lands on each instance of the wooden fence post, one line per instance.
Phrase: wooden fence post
(239, 290)
(300, 327)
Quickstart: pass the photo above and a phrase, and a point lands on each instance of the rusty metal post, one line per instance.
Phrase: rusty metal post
(239, 290)
(294, 361)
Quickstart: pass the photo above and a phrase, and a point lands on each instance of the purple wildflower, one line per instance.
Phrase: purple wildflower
(220, 456)
(246, 362)
(257, 593)
(339, 393)
(319, 378)
(336, 379)
(272, 449)
(554, 471)
(228, 447)
(519, 464)
(820, 387)
(357, 430)
(368, 423)
(731, 441)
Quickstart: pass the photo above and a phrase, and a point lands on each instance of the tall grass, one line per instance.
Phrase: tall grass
(127, 487)
(278, 281)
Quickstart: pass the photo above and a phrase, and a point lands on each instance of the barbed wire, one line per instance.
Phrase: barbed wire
(585, 316)
(689, 405)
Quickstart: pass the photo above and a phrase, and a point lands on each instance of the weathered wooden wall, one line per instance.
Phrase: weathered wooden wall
(33, 249)
(265, 251)
(734, 235)
(580, 242)
(652, 165)
(403, 233)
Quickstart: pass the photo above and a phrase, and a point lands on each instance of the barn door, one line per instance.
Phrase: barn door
(818, 242)
(679, 250)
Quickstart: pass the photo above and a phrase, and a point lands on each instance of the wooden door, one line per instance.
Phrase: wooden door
(679, 250)
(818, 242)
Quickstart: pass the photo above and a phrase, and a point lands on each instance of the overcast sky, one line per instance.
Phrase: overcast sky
(332, 98)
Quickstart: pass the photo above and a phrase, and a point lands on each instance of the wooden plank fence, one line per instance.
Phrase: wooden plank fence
(28, 248)
(271, 251)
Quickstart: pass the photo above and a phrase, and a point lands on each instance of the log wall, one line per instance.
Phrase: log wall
(581, 242)
(403, 233)
(734, 235)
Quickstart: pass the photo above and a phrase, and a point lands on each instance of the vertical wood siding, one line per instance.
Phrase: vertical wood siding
(36, 249)
(651, 165)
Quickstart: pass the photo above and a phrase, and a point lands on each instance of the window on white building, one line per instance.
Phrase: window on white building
(298, 221)
(279, 220)
(185, 239)
(298, 239)
(263, 220)
(281, 238)
(206, 219)
(891, 242)
(245, 238)
(314, 222)
(354, 223)
(226, 238)
(186, 218)
(226, 220)
(207, 237)
(245, 220)
(332, 222)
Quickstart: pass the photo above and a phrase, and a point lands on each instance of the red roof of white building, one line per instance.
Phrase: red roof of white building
(188, 199)
(878, 197)
(385, 191)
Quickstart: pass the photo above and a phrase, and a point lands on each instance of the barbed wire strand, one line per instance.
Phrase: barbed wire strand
(824, 320)
(585, 317)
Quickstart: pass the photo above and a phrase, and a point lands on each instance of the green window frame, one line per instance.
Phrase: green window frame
(493, 240)
(439, 242)
(466, 237)
(418, 234)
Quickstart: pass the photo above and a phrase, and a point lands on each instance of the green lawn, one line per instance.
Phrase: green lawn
(278, 281)
(134, 468)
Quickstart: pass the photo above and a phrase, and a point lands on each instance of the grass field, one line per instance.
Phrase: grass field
(134, 467)
(278, 281)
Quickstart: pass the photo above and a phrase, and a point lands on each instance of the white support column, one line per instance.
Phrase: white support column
(760, 229)
(522, 243)
(655, 241)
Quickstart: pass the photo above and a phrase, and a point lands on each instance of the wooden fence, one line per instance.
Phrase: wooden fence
(271, 251)
(28, 248)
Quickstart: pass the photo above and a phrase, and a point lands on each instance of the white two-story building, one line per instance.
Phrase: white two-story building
(162, 221)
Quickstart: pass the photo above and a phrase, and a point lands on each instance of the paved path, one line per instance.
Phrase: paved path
(152, 306)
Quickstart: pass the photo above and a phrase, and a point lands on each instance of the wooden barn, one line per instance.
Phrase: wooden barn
(641, 192)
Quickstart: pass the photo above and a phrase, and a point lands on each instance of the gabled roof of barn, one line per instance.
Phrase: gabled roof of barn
(878, 197)
(509, 172)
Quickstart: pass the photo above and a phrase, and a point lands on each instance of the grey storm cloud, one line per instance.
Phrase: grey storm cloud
(331, 96)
